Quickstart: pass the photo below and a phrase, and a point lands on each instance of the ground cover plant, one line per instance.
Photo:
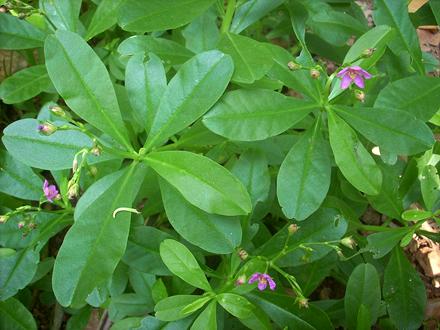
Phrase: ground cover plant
(213, 164)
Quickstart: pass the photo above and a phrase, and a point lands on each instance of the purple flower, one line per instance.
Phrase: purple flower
(50, 191)
(353, 74)
(263, 280)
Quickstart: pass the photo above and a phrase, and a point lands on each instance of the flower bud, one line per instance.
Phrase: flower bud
(315, 74)
(303, 302)
(360, 95)
(57, 111)
(348, 242)
(47, 128)
(32, 225)
(21, 224)
(93, 170)
(292, 228)
(243, 254)
(293, 66)
(74, 165)
(368, 52)
(4, 218)
(73, 190)
(240, 280)
(96, 150)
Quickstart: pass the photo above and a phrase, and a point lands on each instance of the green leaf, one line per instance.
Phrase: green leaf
(236, 305)
(203, 33)
(88, 91)
(404, 292)
(25, 84)
(298, 16)
(250, 115)
(430, 186)
(16, 179)
(395, 14)
(169, 51)
(15, 316)
(377, 38)
(54, 152)
(304, 176)
(104, 17)
(196, 305)
(145, 82)
(416, 215)
(354, 161)
(252, 170)
(206, 319)
(96, 242)
(213, 233)
(62, 13)
(251, 11)
(16, 33)
(363, 289)
(182, 263)
(381, 243)
(128, 304)
(142, 251)
(193, 90)
(394, 130)
(157, 15)
(415, 95)
(363, 321)
(252, 59)
(170, 309)
(202, 182)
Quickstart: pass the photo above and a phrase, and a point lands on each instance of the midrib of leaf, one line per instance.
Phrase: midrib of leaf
(159, 133)
(25, 85)
(50, 143)
(195, 178)
(19, 321)
(20, 36)
(245, 14)
(103, 228)
(352, 155)
(241, 56)
(414, 100)
(98, 106)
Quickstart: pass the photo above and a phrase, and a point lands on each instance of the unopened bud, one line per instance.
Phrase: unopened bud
(4, 218)
(74, 165)
(340, 254)
(73, 190)
(368, 52)
(303, 302)
(243, 254)
(21, 224)
(96, 150)
(360, 95)
(93, 170)
(47, 128)
(240, 280)
(292, 228)
(32, 225)
(315, 74)
(293, 66)
(58, 111)
(348, 242)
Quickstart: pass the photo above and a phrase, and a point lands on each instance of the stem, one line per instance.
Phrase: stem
(57, 317)
(228, 16)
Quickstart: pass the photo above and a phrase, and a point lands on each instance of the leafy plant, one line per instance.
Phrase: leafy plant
(206, 164)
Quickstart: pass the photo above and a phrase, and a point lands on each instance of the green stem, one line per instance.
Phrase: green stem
(230, 9)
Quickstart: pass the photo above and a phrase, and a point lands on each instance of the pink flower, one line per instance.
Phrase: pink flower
(353, 74)
(263, 280)
(50, 191)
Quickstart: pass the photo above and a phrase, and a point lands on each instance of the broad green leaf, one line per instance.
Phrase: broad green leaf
(19, 269)
(182, 263)
(170, 309)
(145, 81)
(25, 84)
(404, 292)
(298, 16)
(16, 33)
(252, 170)
(206, 319)
(251, 58)
(202, 182)
(196, 305)
(80, 320)
(363, 321)
(104, 17)
(157, 15)
(16, 179)
(251, 11)
(236, 305)
(379, 244)
(142, 251)
(304, 176)
(169, 51)
(195, 88)
(354, 161)
(435, 7)
(203, 33)
(430, 186)
(213, 233)
(128, 304)
(415, 95)
(142, 284)
(394, 130)
(258, 320)
(127, 323)
(62, 13)
(377, 38)
(54, 152)
(15, 316)
(363, 289)
(250, 115)
(84, 83)
(96, 242)
(395, 14)
(416, 215)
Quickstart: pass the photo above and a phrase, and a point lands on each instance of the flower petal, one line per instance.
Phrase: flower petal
(346, 81)
(272, 284)
(254, 277)
(342, 72)
(365, 74)
(359, 81)
(262, 285)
